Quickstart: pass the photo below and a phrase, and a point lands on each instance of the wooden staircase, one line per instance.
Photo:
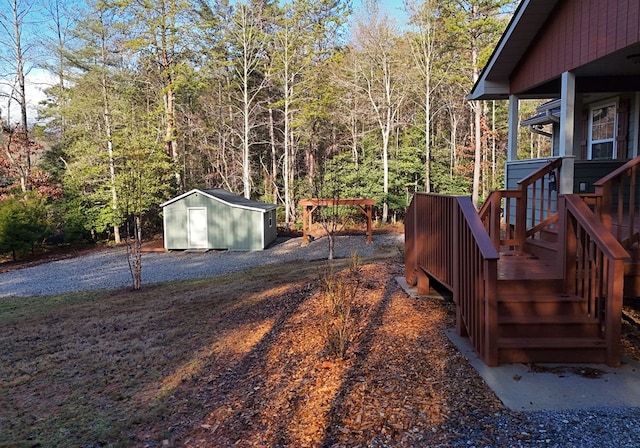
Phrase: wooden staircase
(535, 276)
(537, 321)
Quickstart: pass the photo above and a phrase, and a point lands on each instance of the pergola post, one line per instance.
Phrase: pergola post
(309, 205)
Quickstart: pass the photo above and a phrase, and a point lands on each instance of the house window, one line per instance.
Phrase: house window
(270, 219)
(602, 131)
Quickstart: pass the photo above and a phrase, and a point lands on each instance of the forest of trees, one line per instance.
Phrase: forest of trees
(276, 101)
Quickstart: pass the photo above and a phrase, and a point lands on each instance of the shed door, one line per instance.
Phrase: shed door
(198, 228)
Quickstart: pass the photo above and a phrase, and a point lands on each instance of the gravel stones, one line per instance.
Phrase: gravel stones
(109, 269)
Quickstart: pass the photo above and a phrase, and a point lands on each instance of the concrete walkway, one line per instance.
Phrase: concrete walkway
(552, 386)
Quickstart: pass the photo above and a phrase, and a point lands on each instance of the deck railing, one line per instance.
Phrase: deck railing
(617, 202)
(593, 268)
(455, 250)
(512, 216)
(539, 197)
(498, 215)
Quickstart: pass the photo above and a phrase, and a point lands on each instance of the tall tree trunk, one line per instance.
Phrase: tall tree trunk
(106, 116)
(25, 172)
(477, 115)
(274, 158)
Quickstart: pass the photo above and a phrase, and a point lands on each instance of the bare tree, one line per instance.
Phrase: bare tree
(376, 44)
(249, 43)
(13, 23)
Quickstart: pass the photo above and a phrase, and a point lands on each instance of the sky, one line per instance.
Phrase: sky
(393, 8)
(38, 80)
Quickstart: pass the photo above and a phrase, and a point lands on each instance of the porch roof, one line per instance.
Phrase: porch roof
(522, 30)
(547, 38)
(547, 113)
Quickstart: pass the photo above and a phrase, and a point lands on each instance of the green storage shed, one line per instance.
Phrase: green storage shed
(217, 219)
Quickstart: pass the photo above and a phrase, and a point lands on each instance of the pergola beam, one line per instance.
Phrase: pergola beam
(309, 205)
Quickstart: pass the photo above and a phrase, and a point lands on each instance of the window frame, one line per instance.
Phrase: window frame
(613, 139)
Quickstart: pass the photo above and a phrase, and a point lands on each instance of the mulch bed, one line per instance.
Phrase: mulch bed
(401, 382)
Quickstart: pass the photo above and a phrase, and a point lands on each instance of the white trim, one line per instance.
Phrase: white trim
(164, 230)
(567, 113)
(611, 102)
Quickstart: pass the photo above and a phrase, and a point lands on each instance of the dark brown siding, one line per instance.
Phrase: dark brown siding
(578, 32)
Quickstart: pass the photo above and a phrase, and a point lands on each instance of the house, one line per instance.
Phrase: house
(584, 56)
(217, 219)
(539, 272)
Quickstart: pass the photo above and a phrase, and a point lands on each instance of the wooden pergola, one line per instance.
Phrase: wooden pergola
(309, 205)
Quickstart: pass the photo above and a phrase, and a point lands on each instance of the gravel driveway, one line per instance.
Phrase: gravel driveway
(109, 269)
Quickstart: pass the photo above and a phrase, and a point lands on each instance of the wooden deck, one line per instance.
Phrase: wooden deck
(514, 305)
(522, 266)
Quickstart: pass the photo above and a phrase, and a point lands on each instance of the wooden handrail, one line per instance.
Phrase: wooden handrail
(599, 233)
(446, 240)
(620, 171)
(593, 268)
(622, 182)
(498, 208)
(485, 245)
(540, 173)
(475, 282)
(533, 209)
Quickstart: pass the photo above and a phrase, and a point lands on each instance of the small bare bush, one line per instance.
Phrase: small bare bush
(339, 292)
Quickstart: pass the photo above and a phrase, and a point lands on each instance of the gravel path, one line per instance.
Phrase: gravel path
(109, 269)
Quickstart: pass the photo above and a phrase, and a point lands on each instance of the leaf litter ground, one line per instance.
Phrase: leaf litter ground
(235, 361)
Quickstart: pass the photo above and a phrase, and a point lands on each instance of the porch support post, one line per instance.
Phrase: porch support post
(567, 132)
(514, 123)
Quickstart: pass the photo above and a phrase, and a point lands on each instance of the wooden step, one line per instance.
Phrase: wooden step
(541, 248)
(549, 234)
(541, 305)
(526, 350)
(578, 326)
(530, 287)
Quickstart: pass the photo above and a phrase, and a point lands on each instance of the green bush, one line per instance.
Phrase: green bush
(23, 225)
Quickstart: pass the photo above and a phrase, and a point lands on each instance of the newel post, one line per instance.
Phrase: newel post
(461, 329)
(491, 312)
(613, 317)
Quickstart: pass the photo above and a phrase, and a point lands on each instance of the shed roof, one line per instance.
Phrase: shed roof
(228, 198)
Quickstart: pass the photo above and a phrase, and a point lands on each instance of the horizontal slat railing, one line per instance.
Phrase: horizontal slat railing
(593, 268)
(452, 246)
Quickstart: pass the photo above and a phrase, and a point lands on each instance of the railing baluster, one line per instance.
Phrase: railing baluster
(595, 259)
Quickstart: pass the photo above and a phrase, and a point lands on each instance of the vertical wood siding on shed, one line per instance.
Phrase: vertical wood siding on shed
(578, 32)
(228, 227)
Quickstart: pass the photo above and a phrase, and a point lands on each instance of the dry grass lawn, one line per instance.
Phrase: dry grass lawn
(238, 361)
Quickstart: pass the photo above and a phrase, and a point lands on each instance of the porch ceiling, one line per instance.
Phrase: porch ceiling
(617, 72)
